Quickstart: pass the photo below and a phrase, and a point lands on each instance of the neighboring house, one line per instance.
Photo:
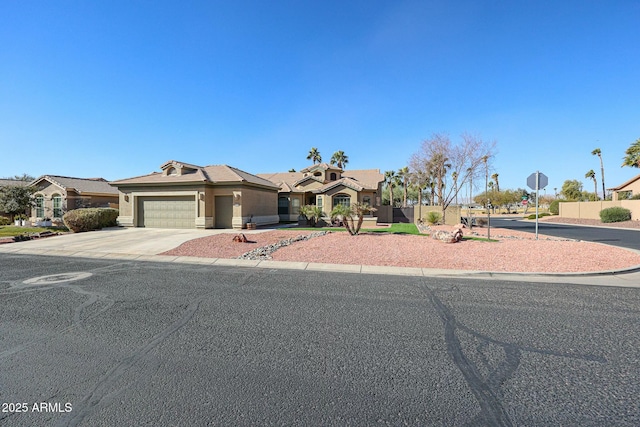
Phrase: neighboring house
(626, 190)
(189, 196)
(325, 186)
(54, 195)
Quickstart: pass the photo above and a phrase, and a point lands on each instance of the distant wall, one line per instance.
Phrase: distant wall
(591, 210)
(452, 216)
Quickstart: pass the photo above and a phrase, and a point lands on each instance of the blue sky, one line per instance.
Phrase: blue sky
(116, 88)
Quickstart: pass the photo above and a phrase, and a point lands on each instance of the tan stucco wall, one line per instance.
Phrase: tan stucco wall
(591, 210)
(261, 203)
(452, 216)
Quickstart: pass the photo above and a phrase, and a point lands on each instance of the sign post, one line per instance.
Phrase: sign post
(537, 181)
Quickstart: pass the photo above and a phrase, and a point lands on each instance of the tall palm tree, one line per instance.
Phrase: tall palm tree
(632, 155)
(495, 178)
(591, 174)
(403, 176)
(314, 155)
(390, 178)
(339, 159)
(598, 153)
(485, 159)
(454, 175)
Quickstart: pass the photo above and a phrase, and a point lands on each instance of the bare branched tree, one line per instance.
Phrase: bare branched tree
(439, 158)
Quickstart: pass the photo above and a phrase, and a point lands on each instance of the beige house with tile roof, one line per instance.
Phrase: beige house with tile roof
(54, 195)
(626, 190)
(325, 186)
(183, 195)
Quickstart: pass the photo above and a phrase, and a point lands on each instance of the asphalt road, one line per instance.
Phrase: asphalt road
(107, 342)
(611, 236)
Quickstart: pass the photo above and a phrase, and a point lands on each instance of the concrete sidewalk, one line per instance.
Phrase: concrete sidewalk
(142, 244)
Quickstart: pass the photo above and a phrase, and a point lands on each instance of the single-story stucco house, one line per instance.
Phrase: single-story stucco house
(54, 195)
(325, 186)
(183, 195)
(626, 190)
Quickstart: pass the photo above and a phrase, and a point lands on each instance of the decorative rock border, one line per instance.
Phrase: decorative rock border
(265, 252)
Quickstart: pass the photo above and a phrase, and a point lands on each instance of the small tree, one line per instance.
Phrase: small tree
(352, 216)
(16, 200)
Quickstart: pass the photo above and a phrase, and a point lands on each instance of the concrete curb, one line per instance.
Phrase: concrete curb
(338, 268)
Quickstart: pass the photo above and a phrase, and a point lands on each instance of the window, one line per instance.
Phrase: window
(283, 205)
(57, 206)
(317, 174)
(172, 171)
(333, 176)
(320, 202)
(295, 206)
(40, 206)
(367, 200)
(341, 199)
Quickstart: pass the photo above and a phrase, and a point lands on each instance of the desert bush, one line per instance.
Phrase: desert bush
(533, 216)
(615, 214)
(554, 207)
(433, 217)
(4, 220)
(79, 220)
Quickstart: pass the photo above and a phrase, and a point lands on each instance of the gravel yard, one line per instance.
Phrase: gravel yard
(515, 251)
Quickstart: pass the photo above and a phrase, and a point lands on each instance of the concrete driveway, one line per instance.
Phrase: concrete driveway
(124, 241)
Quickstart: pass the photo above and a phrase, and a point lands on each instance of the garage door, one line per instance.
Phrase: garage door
(167, 212)
(224, 211)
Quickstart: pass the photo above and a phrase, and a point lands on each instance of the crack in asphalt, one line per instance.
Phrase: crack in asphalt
(102, 392)
(486, 391)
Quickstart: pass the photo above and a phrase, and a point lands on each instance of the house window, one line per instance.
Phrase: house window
(40, 206)
(172, 171)
(320, 202)
(295, 206)
(367, 200)
(317, 174)
(333, 176)
(57, 206)
(341, 199)
(283, 205)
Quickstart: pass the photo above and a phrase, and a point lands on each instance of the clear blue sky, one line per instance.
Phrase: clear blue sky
(116, 88)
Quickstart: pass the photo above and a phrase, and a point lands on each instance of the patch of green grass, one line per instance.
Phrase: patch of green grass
(480, 239)
(397, 228)
(12, 230)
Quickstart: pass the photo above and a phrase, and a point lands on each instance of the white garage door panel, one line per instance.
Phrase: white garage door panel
(167, 212)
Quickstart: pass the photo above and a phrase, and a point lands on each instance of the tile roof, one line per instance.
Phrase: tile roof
(212, 173)
(81, 185)
(365, 178)
(10, 182)
(631, 181)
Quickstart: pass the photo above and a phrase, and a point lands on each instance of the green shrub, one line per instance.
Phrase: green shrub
(540, 215)
(635, 197)
(4, 220)
(554, 207)
(79, 220)
(615, 214)
(433, 217)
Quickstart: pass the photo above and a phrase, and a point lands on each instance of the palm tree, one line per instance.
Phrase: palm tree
(347, 214)
(591, 174)
(598, 153)
(485, 159)
(454, 175)
(632, 155)
(390, 177)
(403, 176)
(314, 155)
(495, 178)
(339, 159)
